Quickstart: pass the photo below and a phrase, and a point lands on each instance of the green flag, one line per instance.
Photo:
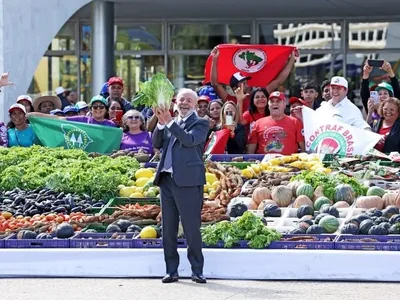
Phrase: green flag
(74, 135)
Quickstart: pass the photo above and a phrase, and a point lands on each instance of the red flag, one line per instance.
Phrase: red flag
(261, 62)
(217, 142)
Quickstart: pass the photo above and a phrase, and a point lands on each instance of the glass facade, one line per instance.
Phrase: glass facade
(180, 49)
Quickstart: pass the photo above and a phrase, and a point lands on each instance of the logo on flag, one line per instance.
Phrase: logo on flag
(329, 143)
(250, 60)
(75, 138)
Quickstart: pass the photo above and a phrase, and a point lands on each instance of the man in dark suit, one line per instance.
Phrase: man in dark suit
(181, 177)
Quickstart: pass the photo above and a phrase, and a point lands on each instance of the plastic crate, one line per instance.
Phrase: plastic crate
(101, 240)
(323, 242)
(220, 244)
(151, 165)
(107, 209)
(12, 242)
(101, 228)
(155, 243)
(2, 243)
(362, 242)
(229, 157)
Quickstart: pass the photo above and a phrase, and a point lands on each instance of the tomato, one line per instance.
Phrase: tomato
(50, 217)
(67, 218)
(5, 225)
(59, 219)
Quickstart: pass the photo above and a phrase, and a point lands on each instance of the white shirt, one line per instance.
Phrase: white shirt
(344, 111)
(161, 127)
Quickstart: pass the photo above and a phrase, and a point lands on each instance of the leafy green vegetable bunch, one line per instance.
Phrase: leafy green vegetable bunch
(70, 171)
(248, 227)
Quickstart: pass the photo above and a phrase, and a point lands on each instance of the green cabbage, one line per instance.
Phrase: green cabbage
(158, 91)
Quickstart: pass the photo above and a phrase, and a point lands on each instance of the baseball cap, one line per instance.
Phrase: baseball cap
(60, 90)
(237, 78)
(115, 80)
(98, 98)
(81, 105)
(277, 94)
(209, 91)
(204, 98)
(16, 107)
(384, 85)
(70, 108)
(293, 100)
(56, 111)
(339, 81)
(104, 88)
(24, 97)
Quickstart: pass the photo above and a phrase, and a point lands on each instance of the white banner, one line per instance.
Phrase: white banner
(329, 136)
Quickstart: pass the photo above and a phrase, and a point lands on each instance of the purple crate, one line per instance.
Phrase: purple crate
(155, 243)
(324, 241)
(12, 242)
(363, 242)
(229, 157)
(1, 243)
(240, 244)
(101, 240)
(151, 165)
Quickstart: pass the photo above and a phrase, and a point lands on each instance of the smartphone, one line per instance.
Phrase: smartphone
(377, 63)
(229, 118)
(118, 115)
(374, 95)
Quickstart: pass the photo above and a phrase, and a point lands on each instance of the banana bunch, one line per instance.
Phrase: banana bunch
(302, 161)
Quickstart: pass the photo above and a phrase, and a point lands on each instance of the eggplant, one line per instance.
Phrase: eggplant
(59, 209)
(17, 202)
(7, 201)
(59, 202)
(60, 196)
(32, 212)
(76, 209)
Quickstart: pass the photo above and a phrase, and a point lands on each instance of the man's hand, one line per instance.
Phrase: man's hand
(4, 80)
(367, 70)
(297, 112)
(163, 115)
(239, 93)
(387, 67)
(159, 113)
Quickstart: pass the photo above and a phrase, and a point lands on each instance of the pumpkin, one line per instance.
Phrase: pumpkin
(26, 235)
(305, 224)
(390, 211)
(282, 195)
(305, 210)
(391, 199)
(302, 200)
(365, 226)
(65, 231)
(394, 219)
(260, 194)
(374, 212)
(369, 202)
(353, 220)
(293, 185)
(344, 192)
(341, 204)
(378, 230)
(307, 218)
(297, 231)
(330, 210)
(248, 202)
(315, 229)
(349, 228)
(265, 202)
(381, 220)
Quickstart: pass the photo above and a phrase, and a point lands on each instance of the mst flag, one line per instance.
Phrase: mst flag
(73, 135)
(329, 136)
(261, 62)
(216, 144)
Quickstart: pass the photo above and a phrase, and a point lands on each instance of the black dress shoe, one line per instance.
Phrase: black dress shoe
(169, 278)
(199, 278)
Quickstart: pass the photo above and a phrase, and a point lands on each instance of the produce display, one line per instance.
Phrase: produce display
(142, 186)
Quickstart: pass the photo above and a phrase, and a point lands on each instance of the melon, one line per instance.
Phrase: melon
(329, 223)
(306, 190)
(260, 194)
(302, 200)
(376, 191)
(282, 195)
(369, 202)
(341, 204)
(344, 192)
(321, 201)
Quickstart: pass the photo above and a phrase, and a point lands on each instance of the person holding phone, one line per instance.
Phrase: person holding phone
(116, 112)
(135, 137)
(365, 84)
(381, 93)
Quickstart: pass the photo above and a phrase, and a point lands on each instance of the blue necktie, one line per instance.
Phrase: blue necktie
(168, 155)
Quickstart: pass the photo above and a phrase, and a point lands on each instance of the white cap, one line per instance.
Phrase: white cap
(81, 105)
(60, 90)
(17, 106)
(24, 97)
(340, 81)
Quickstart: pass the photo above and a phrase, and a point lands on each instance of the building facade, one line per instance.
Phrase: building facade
(77, 44)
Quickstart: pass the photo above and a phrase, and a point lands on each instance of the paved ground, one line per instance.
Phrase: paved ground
(146, 289)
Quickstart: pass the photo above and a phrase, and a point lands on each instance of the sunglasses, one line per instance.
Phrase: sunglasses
(133, 117)
(98, 107)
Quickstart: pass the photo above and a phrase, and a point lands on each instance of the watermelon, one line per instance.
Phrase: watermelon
(344, 192)
(321, 201)
(376, 191)
(305, 189)
(329, 223)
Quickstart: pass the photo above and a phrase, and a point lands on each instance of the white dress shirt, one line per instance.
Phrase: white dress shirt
(344, 111)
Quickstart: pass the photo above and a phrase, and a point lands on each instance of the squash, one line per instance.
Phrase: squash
(237, 210)
(282, 195)
(134, 229)
(341, 204)
(329, 223)
(123, 224)
(362, 217)
(385, 225)
(64, 231)
(369, 202)
(264, 203)
(391, 199)
(319, 217)
(305, 224)
(293, 185)
(112, 228)
(26, 235)
(247, 201)
(321, 201)
(390, 211)
(365, 226)
(349, 228)
(353, 220)
(378, 230)
(260, 194)
(380, 220)
(344, 192)
(330, 210)
(271, 210)
(394, 219)
(374, 212)
(298, 230)
(376, 191)
(305, 210)
(319, 192)
(306, 218)
(315, 229)
(302, 200)
(394, 229)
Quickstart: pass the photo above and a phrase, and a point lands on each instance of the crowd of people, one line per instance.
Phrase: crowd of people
(261, 119)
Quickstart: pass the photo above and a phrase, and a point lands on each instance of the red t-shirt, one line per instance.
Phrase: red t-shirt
(280, 136)
(251, 120)
(246, 101)
(383, 132)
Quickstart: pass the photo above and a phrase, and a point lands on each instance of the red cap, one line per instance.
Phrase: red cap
(204, 98)
(115, 80)
(278, 95)
(293, 100)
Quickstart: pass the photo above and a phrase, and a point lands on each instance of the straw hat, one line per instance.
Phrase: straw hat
(53, 99)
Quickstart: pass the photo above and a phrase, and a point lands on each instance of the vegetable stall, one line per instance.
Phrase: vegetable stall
(305, 216)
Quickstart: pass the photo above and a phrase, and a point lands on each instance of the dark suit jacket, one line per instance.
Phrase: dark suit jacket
(187, 150)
